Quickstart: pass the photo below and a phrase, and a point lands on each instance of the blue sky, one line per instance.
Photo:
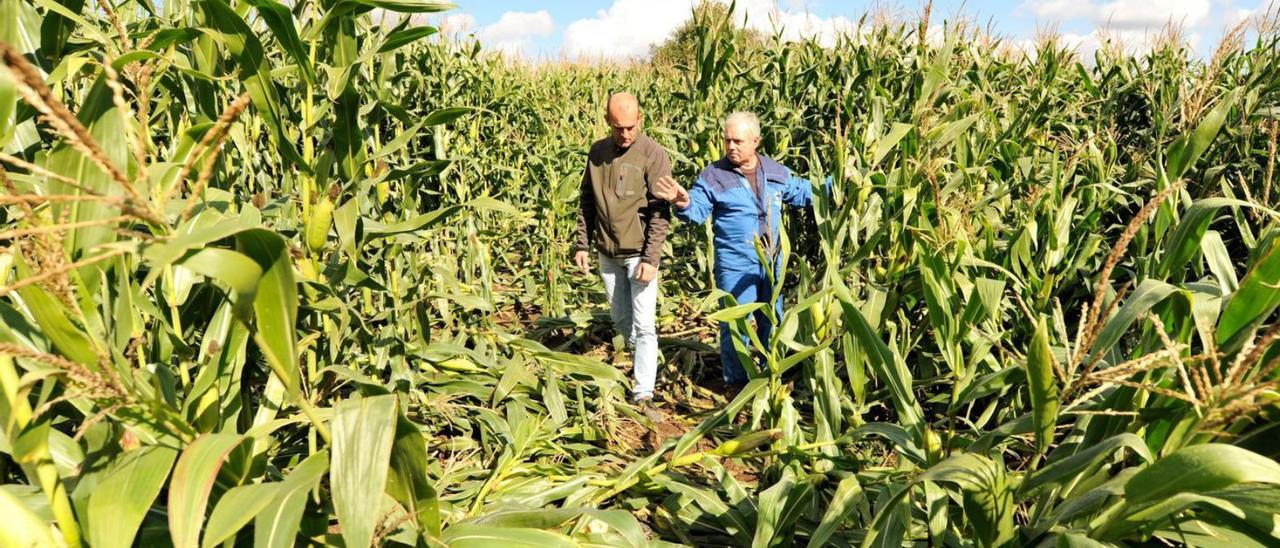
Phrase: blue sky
(620, 29)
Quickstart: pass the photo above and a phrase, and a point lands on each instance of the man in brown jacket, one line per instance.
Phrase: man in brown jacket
(627, 225)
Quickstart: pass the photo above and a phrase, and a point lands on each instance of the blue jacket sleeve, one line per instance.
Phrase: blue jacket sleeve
(701, 201)
(799, 191)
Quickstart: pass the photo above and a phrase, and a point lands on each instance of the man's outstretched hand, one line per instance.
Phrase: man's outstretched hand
(668, 189)
(583, 260)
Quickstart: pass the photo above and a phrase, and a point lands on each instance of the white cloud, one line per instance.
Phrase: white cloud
(1060, 10)
(513, 33)
(1237, 15)
(1133, 41)
(1240, 14)
(936, 36)
(1135, 26)
(795, 24)
(1028, 46)
(456, 24)
(1084, 44)
(629, 28)
(453, 24)
(1123, 14)
(1130, 14)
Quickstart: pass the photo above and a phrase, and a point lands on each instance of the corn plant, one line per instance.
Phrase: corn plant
(282, 274)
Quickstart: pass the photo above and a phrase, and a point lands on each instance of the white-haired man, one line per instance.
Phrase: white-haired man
(743, 194)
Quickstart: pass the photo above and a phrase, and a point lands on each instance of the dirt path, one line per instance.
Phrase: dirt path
(690, 388)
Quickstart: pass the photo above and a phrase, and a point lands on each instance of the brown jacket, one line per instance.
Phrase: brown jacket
(617, 212)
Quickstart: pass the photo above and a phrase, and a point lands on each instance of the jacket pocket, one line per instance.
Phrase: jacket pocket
(630, 182)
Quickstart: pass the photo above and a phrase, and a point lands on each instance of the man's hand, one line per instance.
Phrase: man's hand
(646, 272)
(583, 260)
(668, 189)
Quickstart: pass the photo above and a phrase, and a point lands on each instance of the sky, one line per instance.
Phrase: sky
(626, 29)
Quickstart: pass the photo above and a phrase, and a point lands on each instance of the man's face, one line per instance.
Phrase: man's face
(624, 126)
(740, 143)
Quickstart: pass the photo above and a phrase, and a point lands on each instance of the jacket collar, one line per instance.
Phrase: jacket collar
(619, 150)
(773, 171)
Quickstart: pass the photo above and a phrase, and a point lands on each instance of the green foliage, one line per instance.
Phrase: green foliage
(296, 274)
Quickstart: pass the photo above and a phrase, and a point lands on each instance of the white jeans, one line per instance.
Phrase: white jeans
(633, 306)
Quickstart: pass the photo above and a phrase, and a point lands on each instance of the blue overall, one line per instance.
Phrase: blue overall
(738, 217)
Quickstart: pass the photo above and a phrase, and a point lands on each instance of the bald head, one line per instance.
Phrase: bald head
(622, 112)
(622, 104)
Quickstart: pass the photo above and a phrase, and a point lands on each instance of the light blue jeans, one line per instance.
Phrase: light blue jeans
(633, 307)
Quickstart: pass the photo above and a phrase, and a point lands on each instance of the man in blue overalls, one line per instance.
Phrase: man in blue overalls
(743, 194)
